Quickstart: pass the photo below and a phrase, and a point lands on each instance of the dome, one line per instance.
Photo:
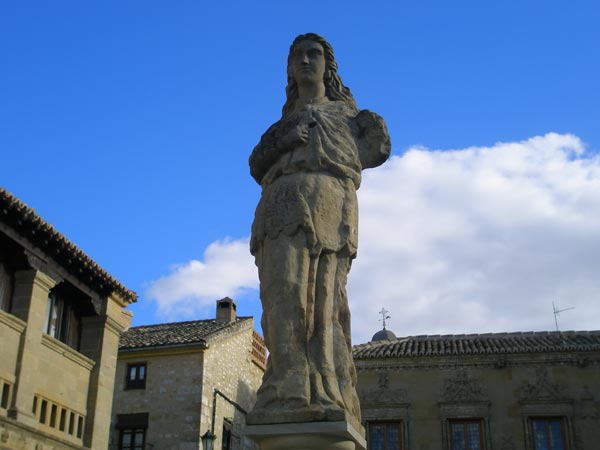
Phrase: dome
(383, 335)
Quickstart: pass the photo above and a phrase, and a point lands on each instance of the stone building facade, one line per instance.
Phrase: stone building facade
(176, 381)
(506, 391)
(60, 319)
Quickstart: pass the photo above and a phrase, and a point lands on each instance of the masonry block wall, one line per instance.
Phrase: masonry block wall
(60, 319)
(502, 394)
(171, 397)
(191, 369)
(230, 369)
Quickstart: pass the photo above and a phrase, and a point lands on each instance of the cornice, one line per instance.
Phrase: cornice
(12, 322)
(581, 359)
(67, 352)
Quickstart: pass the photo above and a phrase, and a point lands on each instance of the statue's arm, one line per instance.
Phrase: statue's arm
(264, 154)
(276, 141)
(374, 143)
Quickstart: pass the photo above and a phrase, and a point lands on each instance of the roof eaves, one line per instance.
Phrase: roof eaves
(27, 223)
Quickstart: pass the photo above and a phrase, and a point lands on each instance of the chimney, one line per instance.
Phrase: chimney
(226, 310)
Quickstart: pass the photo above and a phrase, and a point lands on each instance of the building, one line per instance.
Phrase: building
(176, 381)
(505, 391)
(60, 319)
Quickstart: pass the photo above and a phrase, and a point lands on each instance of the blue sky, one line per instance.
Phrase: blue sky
(127, 125)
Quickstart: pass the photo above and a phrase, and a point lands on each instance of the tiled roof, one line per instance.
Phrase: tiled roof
(176, 333)
(28, 224)
(480, 344)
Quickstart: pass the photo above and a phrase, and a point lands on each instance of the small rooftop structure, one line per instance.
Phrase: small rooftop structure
(383, 335)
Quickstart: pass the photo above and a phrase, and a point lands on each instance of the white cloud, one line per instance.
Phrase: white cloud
(481, 239)
(228, 270)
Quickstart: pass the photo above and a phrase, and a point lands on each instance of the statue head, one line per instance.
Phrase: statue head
(334, 88)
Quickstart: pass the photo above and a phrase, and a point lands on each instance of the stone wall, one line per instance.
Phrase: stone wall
(180, 389)
(230, 369)
(58, 397)
(172, 396)
(505, 392)
(15, 435)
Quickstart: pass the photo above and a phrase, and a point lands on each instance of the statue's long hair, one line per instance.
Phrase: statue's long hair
(334, 88)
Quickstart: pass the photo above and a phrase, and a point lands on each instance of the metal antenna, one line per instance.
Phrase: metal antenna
(384, 315)
(557, 312)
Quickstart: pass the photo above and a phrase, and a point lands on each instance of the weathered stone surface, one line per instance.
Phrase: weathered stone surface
(58, 363)
(185, 363)
(338, 435)
(305, 235)
(423, 383)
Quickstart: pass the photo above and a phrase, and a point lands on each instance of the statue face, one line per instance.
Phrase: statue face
(307, 62)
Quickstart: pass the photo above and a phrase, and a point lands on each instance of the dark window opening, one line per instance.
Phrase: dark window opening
(79, 427)
(63, 419)
(548, 433)
(132, 439)
(135, 376)
(63, 320)
(386, 436)
(466, 434)
(5, 396)
(226, 441)
(6, 286)
(71, 422)
(43, 408)
(53, 411)
(132, 431)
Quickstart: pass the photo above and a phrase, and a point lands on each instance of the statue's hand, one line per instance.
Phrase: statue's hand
(295, 137)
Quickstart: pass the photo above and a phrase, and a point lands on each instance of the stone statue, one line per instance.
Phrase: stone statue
(305, 235)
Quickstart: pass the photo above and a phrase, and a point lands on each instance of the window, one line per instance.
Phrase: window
(548, 433)
(43, 408)
(63, 419)
(466, 434)
(71, 422)
(6, 286)
(132, 439)
(53, 411)
(5, 395)
(79, 427)
(136, 376)
(132, 431)
(386, 436)
(226, 441)
(62, 321)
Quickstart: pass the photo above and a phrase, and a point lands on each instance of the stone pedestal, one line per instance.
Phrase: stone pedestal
(307, 436)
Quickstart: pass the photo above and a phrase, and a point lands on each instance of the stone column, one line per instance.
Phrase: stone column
(30, 300)
(100, 342)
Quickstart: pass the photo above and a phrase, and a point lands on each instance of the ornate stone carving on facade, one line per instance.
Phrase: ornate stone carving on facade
(383, 380)
(541, 388)
(462, 387)
(383, 397)
(507, 443)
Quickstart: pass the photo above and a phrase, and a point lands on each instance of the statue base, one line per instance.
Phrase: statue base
(340, 435)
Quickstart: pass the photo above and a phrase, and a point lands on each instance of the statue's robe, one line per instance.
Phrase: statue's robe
(304, 237)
